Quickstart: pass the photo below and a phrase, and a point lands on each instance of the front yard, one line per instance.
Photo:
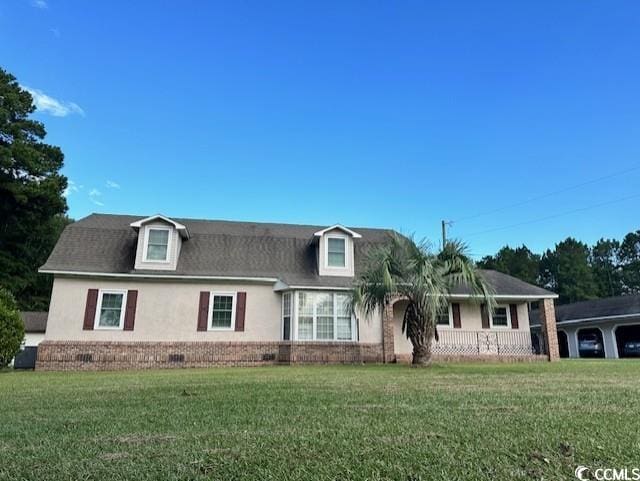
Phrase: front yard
(528, 421)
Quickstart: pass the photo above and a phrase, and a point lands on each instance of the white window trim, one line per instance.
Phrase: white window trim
(291, 297)
(145, 247)
(508, 309)
(326, 251)
(294, 320)
(450, 314)
(212, 294)
(123, 308)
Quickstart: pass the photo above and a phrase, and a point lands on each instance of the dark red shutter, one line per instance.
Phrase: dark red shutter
(241, 303)
(514, 315)
(130, 313)
(203, 311)
(457, 324)
(484, 312)
(90, 309)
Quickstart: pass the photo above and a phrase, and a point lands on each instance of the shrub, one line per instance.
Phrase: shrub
(11, 328)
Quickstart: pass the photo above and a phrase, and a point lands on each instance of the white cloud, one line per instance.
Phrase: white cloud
(96, 202)
(41, 4)
(112, 185)
(71, 188)
(94, 193)
(55, 107)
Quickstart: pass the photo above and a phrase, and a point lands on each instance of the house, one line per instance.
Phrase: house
(137, 292)
(607, 327)
(35, 325)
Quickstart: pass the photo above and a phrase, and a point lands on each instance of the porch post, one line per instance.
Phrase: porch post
(549, 329)
(388, 350)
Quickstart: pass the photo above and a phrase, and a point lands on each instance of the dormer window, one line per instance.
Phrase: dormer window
(157, 244)
(336, 252)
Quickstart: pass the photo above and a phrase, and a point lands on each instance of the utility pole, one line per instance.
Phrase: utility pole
(445, 223)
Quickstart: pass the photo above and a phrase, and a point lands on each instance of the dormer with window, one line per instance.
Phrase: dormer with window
(336, 251)
(159, 243)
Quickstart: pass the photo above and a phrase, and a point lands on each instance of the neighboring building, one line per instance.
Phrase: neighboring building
(607, 327)
(35, 325)
(132, 292)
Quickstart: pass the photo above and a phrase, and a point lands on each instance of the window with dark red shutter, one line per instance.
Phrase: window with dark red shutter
(240, 310)
(513, 308)
(90, 309)
(130, 312)
(203, 311)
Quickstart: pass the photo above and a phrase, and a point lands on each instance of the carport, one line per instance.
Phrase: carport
(597, 328)
(628, 340)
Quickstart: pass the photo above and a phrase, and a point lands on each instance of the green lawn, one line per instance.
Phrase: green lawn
(511, 421)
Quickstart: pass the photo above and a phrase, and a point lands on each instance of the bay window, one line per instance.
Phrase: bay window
(317, 316)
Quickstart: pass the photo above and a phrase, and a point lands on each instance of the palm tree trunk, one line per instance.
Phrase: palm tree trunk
(420, 333)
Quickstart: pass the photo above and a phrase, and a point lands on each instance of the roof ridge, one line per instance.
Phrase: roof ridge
(263, 223)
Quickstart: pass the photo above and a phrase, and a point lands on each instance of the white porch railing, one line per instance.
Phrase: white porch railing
(507, 342)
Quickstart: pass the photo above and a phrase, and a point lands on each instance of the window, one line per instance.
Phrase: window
(443, 318)
(324, 316)
(343, 312)
(222, 310)
(157, 248)
(286, 316)
(305, 316)
(336, 248)
(500, 317)
(110, 311)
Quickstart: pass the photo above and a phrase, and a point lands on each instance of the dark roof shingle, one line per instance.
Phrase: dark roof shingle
(103, 243)
(594, 309)
(34, 321)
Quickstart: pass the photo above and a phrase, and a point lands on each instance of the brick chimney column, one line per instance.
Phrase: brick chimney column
(388, 350)
(549, 330)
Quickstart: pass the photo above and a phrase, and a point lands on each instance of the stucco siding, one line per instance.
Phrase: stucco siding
(168, 311)
(33, 338)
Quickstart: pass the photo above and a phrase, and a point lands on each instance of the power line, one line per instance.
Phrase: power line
(549, 194)
(554, 216)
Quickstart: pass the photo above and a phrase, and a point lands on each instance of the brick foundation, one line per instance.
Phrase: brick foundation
(100, 356)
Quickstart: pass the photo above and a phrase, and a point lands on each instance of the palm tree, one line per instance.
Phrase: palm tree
(408, 270)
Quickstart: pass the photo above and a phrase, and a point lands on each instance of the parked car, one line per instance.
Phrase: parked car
(631, 348)
(590, 345)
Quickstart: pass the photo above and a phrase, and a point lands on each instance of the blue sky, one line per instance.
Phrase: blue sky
(381, 114)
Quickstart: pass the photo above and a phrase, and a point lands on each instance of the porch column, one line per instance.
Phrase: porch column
(388, 350)
(573, 343)
(609, 340)
(549, 329)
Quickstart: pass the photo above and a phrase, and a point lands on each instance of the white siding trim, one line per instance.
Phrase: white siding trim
(123, 308)
(232, 326)
(145, 246)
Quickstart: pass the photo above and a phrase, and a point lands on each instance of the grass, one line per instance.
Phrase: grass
(449, 422)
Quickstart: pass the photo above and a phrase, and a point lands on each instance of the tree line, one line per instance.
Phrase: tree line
(32, 202)
(575, 270)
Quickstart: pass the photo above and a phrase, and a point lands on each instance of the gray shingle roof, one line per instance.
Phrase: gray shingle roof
(504, 284)
(103, 243)
(34, 321)
(596, 308)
